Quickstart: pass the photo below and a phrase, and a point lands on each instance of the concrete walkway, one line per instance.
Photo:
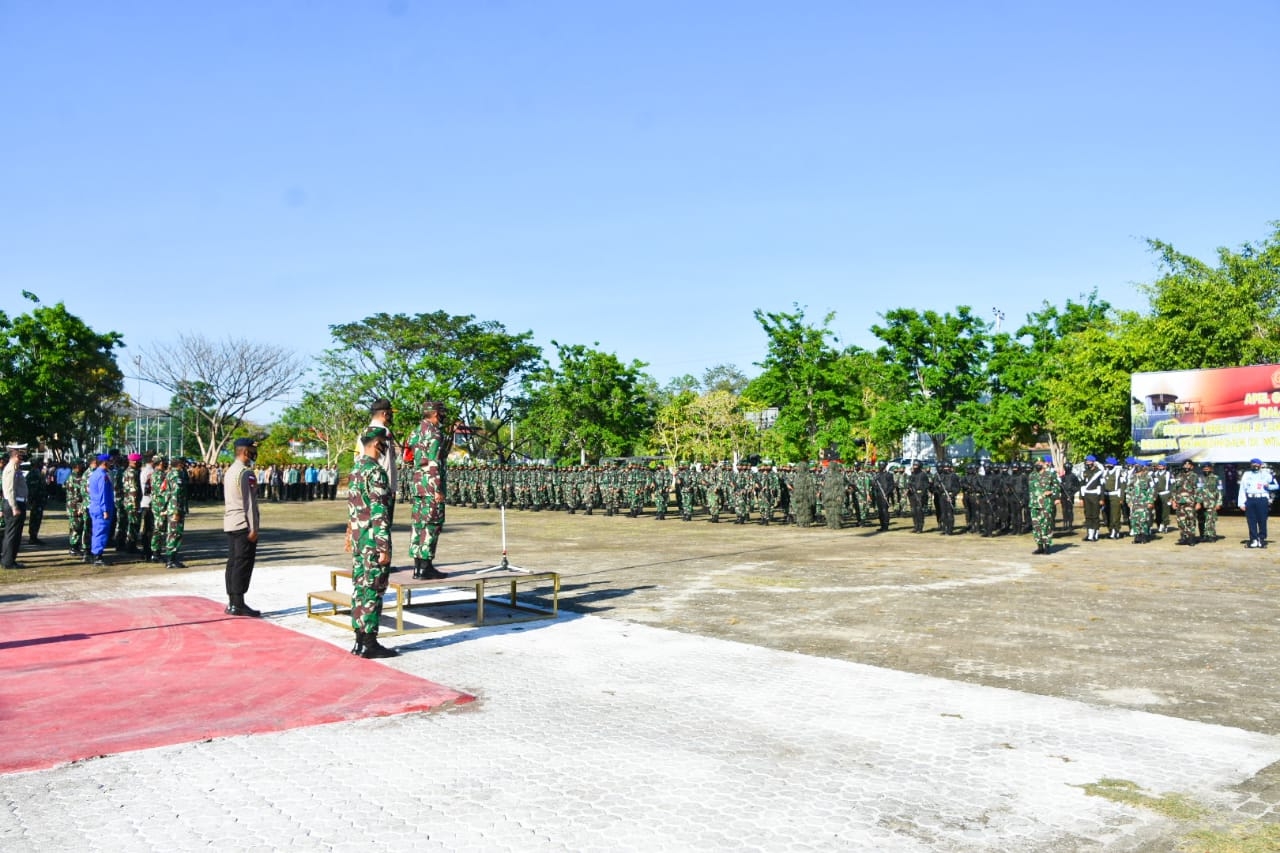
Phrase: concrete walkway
(594, 734)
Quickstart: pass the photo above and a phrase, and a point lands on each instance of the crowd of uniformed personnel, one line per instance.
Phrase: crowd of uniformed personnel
(996, 499)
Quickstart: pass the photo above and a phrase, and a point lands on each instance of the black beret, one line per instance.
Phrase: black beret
(382, 404)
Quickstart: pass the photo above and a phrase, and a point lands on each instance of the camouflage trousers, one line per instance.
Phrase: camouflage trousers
(1140, 520)
(1042, 522)
(1209, 529)
(167, 538)
(368, 583)
(134, 524)
(76, 530)
(1187, 526)
(424, 532)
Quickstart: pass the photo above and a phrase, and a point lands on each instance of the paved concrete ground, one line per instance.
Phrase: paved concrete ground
(1191, 635)
(599, 734)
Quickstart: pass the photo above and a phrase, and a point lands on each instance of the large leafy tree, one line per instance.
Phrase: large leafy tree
(1204, 316)
(1087, 393)
(59, 379)
(220, 381)
(1022, 366)
(811, 382)
(940, 361)
(476, 366)
(710, 427)
(327, 418)
(590, 404)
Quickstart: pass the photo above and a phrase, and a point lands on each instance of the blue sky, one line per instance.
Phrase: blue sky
(638, 174)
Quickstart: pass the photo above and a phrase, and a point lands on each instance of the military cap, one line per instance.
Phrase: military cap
(245, 442)
(373, 433)
(382, 404)
(1110, 460)
(433, 406)
(1207, 465)
(1255, 461)
(1091, 458)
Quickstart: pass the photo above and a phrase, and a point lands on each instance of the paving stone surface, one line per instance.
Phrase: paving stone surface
(603, 734)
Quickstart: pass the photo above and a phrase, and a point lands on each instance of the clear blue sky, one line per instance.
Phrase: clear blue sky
(639, 174)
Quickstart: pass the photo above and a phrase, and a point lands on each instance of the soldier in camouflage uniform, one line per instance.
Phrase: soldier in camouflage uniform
(1142, 499)
(368, 516)
(427, 482)
(902, 506)
(803, 496)
(1210, 499)
(159, 508)
(176, 486)
(131, 505)
(1043, 489)
(1183, 501)
(767, 492)
(660, 486)
(77, 502)
(713, 484)
(831, 495)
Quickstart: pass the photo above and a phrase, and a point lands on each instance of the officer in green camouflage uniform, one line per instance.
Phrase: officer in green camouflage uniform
(1210, 499)
(159, 508)
(1142, 499)
(77, 502)
(428, 482)
(176, 487)
(368, 516)
(1043, 489)
(831, 495)
(131, 505)
(1185, 488)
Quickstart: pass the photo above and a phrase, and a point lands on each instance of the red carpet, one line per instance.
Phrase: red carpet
(94, 678)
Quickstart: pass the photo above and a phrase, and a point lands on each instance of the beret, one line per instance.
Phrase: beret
(246, 442)
(382, 404)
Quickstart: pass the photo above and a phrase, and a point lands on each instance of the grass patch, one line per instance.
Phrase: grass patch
(1251, 837)
(1174, 806)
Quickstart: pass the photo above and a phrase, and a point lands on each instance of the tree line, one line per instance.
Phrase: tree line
(1060, 377)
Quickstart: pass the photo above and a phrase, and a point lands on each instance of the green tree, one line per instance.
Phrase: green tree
(940, 361)
(1204, 316)
(328, 418)
(1088, 391)
(725, 377)
(589, 405)
(812, 384)
(1022, 365)
(709, 427)
(59, 378)
(477, 367)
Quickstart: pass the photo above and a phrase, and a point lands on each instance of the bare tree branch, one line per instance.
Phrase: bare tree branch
(221, 381)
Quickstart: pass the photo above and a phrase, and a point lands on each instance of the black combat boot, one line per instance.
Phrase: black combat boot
(417, 569)
(358, 648)
(430, 572)
(374, 649)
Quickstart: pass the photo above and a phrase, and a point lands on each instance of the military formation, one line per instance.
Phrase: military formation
(1136, 499)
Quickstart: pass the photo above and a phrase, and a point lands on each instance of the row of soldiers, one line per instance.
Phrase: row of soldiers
(151, 504)
(996, 499)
